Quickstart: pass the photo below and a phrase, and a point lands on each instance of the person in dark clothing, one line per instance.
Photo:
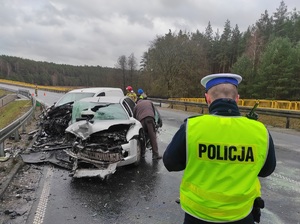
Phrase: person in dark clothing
(222, 155)
(144, 111)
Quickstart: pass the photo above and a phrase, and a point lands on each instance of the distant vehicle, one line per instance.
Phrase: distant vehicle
(78, 94)
(105, 136)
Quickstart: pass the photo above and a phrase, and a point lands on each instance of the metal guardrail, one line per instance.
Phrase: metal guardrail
(266, 111)
(271, 104)
(13, 127)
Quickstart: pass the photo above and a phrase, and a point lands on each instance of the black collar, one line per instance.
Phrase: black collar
(224, 107)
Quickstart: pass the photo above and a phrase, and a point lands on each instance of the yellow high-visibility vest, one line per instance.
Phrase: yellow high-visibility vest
(132, 95)
(224, 156)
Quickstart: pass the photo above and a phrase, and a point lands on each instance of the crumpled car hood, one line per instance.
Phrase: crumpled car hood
(83, 129)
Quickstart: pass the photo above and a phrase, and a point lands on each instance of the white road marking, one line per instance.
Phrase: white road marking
(295, 184)
(41, 209)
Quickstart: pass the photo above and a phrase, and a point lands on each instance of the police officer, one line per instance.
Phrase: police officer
(222, 154)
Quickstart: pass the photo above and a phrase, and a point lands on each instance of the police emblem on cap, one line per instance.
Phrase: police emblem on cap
(216, 79)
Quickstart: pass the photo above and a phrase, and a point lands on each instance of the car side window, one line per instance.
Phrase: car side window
(128, 109)
(130, 102)
(101, 94)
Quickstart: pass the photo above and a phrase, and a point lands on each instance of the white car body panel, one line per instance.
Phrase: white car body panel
(77, 94)
(84, 129)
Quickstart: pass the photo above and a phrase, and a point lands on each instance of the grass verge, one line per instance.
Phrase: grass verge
(4, 92)
(12, 111)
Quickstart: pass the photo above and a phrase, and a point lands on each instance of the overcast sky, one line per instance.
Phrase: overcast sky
(97, 32)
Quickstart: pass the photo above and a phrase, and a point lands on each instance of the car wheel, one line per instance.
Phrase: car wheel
(142, 139)
(138, 153)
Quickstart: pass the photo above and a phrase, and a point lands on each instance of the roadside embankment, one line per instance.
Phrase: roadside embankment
(7, 99)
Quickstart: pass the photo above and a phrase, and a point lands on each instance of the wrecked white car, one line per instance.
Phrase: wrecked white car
(55, 119)
(105, 135)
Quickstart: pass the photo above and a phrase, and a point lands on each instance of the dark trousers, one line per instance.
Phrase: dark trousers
(188, 219)
(148, 124)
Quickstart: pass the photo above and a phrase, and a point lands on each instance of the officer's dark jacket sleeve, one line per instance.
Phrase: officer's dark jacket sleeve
(174, 157)
(270, 163)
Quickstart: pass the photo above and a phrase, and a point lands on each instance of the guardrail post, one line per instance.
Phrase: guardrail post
(24, 128)
(17, 136)
(2, 149)
(287, 125)
(160, 103)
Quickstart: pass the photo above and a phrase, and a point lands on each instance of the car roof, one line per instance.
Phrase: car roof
(104, 99)
(92, 91)
(95, 89)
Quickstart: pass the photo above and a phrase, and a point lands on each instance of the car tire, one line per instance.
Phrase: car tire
(142, 139)
(138, 153)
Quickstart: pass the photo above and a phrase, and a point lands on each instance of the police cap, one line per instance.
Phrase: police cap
(216, 79)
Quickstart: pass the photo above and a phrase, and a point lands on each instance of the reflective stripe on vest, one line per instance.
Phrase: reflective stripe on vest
(224, 157)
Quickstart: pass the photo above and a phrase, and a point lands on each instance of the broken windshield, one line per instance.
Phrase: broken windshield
(72, 97)
(99, 111)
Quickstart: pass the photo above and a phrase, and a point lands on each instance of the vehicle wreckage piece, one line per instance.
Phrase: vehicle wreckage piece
(100, 170)
(102, 173)
(55, 120)
(101, 146)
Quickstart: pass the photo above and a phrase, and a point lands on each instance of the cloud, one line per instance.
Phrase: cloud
(97, 32)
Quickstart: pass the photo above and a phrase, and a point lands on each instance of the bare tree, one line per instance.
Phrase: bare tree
(132, 64)
(122, 65)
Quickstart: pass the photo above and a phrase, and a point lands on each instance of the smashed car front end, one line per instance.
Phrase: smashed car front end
(55, 120)
(100, 146)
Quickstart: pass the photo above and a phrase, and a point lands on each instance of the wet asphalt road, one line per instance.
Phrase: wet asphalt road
(132, 195)
(147, 194)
